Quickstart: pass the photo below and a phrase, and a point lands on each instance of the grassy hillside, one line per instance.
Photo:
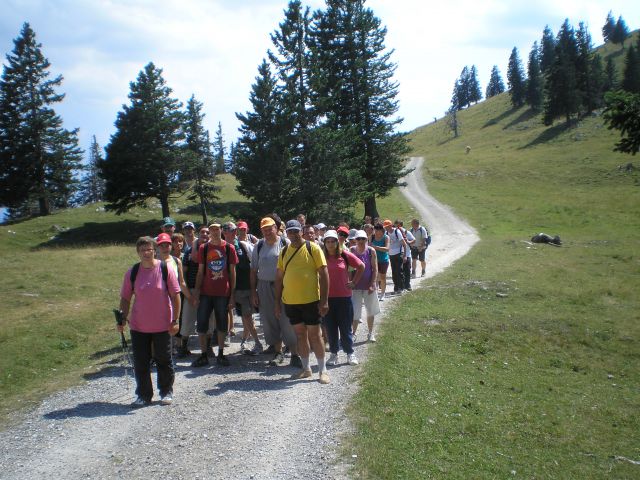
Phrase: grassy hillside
(521, 360)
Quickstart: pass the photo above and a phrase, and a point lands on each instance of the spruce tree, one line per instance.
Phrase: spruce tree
(631, 76)
(219, 151)
(93, 185)
(609, 27)
(199, 168)
(610, 76)
(495, 85)
(475, 93)
(620, 32)
(462, 91)
(534, 84)
(562, 96)
(145, 155)
(622, 111)
(37, 155)
(585, 78)
(516, 79)
(547, 50)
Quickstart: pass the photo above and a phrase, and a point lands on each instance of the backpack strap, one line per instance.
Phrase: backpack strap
(133, 275)
(260, 245)
(163, 268)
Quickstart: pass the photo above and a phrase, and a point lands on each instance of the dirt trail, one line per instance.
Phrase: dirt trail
(247, 421)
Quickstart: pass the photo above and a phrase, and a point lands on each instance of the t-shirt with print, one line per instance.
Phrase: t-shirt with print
(339, 273)
(300, 283)
(152, 308)
(216, 272)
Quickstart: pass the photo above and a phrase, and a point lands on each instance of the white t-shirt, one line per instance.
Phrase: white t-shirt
(395, 242)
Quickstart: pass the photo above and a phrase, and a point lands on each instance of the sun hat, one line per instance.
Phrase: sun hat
(330, 234)
(215, 223)
(267, 222)
(163, 238)
(344, 230)
(320, 226)
(387, 223)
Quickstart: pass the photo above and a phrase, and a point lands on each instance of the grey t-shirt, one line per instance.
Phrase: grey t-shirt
(265, 259)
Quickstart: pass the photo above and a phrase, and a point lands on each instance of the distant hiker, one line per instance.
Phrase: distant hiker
(309, 233)
(343, 235)
(302, 286)
(215, 289)
(189, 232)
(339, 319)
(264, 262)
(168, 225)
(419, 248)
(153, 319)
(397, 254)
(302, 219)
(244, 235)
(320, 228)
(380, 243)
(406, 250)
(365, 290)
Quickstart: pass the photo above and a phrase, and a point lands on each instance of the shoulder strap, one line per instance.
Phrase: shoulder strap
(205, 252)
(308, 243)
(227, 251)
(133, 275)
(165, 273)
(260, 245)
(291, 258)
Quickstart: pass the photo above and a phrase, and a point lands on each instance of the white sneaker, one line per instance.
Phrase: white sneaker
(166, 399)
(381, 298)
(352, 359)
(333, 359)
(372, 338)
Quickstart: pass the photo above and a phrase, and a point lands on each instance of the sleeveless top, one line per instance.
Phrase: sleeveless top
(383, 257)
(365, 280)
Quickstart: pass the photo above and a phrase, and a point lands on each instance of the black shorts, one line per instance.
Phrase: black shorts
(306, 313)
(418, 255)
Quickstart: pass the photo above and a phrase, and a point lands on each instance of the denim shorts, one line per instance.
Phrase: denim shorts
(217, 305)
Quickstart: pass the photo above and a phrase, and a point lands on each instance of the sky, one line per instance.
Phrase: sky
(212, 48)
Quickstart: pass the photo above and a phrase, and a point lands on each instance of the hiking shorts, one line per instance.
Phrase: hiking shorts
(189, 317)
(383, 267)
(370, 300)
(217, 305)
(243, 302)
(306, 313)
(418, 254)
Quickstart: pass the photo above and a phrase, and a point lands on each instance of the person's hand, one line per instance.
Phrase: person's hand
(323, 308)
(371, 289)
(255, 300)
(174, 328)
(193, 301)
(277, 311)
(232, 303)
(351, 285)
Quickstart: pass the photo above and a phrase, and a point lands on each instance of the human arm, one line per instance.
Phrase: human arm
(374, 271)
(124, 308)
(183, 285)
(323, 277)
(356, 263)
(232, 286)
(175, 305)
(278, 293)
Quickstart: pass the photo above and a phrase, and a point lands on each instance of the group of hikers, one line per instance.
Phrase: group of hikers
(307, 282)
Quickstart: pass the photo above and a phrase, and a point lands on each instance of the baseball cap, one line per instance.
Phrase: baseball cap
(229, 227)
(242, 224)
(330, 234)
(267, 222)
(360, 234)
(168, 221)
(214, 223)
(320, 226)
(352, 234)
(188, 225)
(387, 223)
(293, 225)
(163, 238)
(344, 230)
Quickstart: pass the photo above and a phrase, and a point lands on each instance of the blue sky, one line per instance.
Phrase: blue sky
(212, 48)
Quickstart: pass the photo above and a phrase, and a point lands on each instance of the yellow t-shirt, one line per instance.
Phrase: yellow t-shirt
(300, 283)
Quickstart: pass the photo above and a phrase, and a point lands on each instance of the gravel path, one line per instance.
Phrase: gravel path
(245, 421)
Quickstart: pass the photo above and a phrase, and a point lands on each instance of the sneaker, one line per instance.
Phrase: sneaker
(381, 298)
(301, 374)
(256, 350)
(296, 361)
(352, 359)
(372, 338)
(140, 402)
(201, 361)
(270, 350)
(222, 361)
(333, 359)
(324, 378)
(422, 274)
(413, 274)
(278, 359)
(183, 352)
(166, 399)
(243, 344)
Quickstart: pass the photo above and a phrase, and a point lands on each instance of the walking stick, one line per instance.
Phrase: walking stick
(120, 321)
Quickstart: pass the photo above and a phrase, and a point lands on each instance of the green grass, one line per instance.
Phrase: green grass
(544, 382)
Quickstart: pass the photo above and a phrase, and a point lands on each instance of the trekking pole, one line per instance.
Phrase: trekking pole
(126, 357)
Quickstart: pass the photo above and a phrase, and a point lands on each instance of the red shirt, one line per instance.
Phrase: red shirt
(339, 273)
(216, 268)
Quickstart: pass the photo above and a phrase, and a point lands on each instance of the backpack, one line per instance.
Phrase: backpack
(283, 244)
(163, 268)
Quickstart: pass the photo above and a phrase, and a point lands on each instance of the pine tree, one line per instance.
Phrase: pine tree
(622, 111)
(461, 90)
(609, 27)
(475, 93)
(620, 32)
(547, 50)
(199, 169)
(229, 162)
(534, 84)
(586, 80)
(145, 156)
(610, 76)
(219, 151)
(37, 155)
(516, 80)
(93, 185)
(562, 94)
(452, 114)
(356, 54)
(631, 76)
(496, 85)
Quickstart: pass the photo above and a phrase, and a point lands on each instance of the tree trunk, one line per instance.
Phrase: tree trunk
(203, 211)
(45, 209)
(370, 207)
(164, 201)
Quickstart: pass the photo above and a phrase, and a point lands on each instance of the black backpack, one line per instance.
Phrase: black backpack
(163, 268)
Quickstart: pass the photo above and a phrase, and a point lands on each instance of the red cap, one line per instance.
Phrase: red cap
(242, 224)
(343, 230)
(163, 238)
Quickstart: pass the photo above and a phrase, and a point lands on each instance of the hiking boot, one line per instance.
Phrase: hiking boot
(352, 359)
(166, 399)
(296, 361)
(301, 374)
(201, 361)
(324, 378)
(140, 402)
(372, 338)
(333, 359)
(222, 361)
(277, 360)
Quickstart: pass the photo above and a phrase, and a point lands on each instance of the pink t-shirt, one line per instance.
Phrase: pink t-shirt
(339, 273)
(151, 312)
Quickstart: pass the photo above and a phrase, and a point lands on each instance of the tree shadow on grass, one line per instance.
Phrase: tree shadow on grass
(528, 114)
(103, 233)
(499, 118)
(90, 410)
(234, 209)
(548, 135)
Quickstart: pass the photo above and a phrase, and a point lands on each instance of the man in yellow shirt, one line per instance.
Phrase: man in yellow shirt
(302, 285)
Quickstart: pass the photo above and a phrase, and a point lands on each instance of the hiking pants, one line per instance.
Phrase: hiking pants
(338, 322)
(406, 274)
(396, 271)
(144, 346)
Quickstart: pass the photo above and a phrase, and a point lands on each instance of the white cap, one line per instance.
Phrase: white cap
(330, 234)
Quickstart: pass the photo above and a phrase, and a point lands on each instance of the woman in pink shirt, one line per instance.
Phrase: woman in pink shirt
(339, 319)
(153, 318)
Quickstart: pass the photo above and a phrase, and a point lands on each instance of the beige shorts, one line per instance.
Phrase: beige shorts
(370, 300)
